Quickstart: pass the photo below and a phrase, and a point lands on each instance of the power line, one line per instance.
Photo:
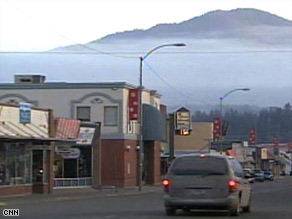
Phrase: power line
(169, 85)
(120, 54)
(65, 37)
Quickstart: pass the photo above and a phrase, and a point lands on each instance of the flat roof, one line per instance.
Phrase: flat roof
(65, 85)
(68, 85)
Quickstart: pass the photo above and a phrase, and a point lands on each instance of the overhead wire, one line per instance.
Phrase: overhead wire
(171, 86)
(63, 36)
(121, 53)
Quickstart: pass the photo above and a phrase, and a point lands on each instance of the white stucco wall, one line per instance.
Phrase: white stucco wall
(64, 103)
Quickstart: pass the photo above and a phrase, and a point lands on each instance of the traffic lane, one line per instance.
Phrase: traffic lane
(270, 200)
(142, 206)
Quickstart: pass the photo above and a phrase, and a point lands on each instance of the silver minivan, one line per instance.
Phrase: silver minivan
(206, 181)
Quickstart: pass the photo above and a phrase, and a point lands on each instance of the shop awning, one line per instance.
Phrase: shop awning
(23, 138)
(10, 129)
(154, 126)
(67, 128)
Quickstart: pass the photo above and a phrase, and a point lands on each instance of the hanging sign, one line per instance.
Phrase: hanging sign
(68, 153)
(25, 113)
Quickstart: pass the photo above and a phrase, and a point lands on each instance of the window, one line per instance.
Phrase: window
(110, 115)
(237, 169)
(15, 165)
(199, 166)
(83, 113)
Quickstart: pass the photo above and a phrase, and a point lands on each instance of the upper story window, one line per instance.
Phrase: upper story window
(110, 116)
(83, 113)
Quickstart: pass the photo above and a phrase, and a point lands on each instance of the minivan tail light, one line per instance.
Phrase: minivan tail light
(166, 184)
(232, 185)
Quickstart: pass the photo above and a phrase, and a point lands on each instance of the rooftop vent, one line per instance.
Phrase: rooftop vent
(29, 79)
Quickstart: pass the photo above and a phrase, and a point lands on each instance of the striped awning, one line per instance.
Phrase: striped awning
(11, 129)
(67, 128)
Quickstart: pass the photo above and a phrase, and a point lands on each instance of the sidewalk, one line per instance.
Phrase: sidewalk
(76, 194)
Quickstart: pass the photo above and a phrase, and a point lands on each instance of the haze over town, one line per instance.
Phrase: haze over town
(246, 53)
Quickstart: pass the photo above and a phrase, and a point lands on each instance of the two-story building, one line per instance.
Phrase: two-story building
(107, 104)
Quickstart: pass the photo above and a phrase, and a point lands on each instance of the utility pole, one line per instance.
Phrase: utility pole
(171, 136)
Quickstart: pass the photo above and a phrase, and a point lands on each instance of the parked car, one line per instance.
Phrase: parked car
(249, 175)
(206, 181)
(268, 175)
(259, 175)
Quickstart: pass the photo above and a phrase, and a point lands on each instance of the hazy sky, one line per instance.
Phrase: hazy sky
(36, 25)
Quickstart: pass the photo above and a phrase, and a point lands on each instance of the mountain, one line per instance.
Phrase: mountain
(225, 50)
(237, 23)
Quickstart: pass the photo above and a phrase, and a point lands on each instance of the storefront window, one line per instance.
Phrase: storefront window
(85, 162)
(15, 164)
(74, 168)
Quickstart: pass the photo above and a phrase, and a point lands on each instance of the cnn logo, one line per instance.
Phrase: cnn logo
(11, 212)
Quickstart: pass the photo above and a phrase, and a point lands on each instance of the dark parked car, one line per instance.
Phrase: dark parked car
(249, 175)
(206, 181)
(259, 175)
(269, 175)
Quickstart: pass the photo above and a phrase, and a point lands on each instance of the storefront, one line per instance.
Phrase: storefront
(73, 165)
(25, 150)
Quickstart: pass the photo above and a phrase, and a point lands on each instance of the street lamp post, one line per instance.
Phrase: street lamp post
(140, 137)
(221, 109)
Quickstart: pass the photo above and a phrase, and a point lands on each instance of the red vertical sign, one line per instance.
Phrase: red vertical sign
(276, 142)
(217, 129)
(133, 104)
(252, 137)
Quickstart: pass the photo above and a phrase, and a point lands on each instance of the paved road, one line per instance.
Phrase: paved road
(270, 200)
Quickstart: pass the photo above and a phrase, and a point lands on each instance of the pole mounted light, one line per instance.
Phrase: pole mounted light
(221, 108)
(141, 151)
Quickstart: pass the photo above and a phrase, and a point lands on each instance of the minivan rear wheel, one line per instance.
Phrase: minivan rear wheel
(169, 211)
(248, 207)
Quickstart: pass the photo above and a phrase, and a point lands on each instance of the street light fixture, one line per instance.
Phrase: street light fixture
(141, 151)
(221, 107)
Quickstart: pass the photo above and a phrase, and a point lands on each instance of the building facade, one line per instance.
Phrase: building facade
(104, 103)
(26, 150)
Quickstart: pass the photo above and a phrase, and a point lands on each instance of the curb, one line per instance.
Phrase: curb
(72, 198)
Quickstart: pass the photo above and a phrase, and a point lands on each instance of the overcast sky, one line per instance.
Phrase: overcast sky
(37, 25)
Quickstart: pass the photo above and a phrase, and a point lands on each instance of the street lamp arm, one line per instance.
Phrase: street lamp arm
(158, 47)
(238, 89)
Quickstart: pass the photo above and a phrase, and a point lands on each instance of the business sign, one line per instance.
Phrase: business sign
(216, 129)
(264, 153)
(252, 137)
(133, 104)
(24, 113)
(68, 153)
(183, 119)
(276, 142)
(86, 135)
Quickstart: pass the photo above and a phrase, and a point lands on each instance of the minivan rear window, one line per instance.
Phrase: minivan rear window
(199, 166)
